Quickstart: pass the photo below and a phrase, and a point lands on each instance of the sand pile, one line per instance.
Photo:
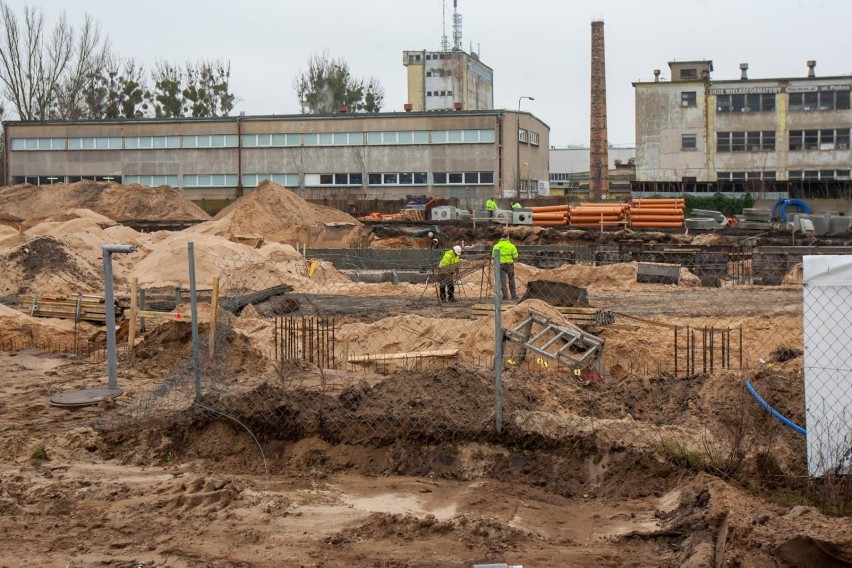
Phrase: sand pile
(45, 264)
(280, 215)
(23, 329)
(238, 266)
(115, 201)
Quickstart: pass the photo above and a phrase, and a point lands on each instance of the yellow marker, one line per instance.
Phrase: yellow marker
(577, 372)
(312, 267)
(510, 361)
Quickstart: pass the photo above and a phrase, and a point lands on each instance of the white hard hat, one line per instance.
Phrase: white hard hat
(457, 249)
(431, 234)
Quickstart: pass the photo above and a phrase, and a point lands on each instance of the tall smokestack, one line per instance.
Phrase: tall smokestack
(598, 145)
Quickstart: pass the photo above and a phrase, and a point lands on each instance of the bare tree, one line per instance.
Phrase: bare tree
(167, 95)
(117, 90)
(89, 57)
(207, 91)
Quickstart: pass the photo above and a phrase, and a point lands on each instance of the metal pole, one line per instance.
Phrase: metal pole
(518, 149)
(498, 347)
(196, 353)
(109, 308)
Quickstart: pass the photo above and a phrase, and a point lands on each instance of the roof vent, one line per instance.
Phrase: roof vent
(811, 72)
(656, 75)
(743, 71)
(408, 107)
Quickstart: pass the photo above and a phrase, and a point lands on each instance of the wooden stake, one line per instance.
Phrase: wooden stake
(134, 309)
(214, 312)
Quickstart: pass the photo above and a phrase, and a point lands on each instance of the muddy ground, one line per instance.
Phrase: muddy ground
(374, 475)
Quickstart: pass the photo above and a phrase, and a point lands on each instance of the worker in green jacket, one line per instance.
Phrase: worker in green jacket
(508, 256)
(517, 205)
(447, 276)
(491, 206)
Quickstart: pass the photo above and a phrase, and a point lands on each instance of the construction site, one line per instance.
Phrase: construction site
(288, 388)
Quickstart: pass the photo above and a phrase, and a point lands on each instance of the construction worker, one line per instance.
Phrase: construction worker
(448, 265)
(491, 206)
(508, 256)
(517, 205)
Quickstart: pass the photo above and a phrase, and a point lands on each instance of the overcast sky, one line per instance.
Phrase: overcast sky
(537, 48)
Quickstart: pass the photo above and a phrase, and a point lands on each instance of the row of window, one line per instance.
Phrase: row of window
(528, 137)
(818, 174)
(764, 140)
(439, 73)
(259, 140)
(286, 180)
(827, 139)
(755, 141)
(745, 176)
(439, 93)
(765, 102)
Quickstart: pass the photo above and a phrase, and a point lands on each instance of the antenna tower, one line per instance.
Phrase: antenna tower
(445, 42)
(457, 27)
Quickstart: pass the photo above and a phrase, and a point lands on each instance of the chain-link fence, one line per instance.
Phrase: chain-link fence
(702, 346)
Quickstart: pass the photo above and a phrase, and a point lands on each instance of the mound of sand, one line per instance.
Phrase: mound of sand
(239, 267)
(19, 329)
(115, 201)
(282, 216)
(45, 264)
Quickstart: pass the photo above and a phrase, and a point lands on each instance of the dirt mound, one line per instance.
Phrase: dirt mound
(45, 264)
(116, 201)
(19, 330)
(280, 215)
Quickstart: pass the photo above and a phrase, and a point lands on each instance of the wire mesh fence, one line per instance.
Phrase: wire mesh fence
(437, 346)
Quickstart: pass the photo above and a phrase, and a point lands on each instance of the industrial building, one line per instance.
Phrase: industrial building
(462, 155)
(771, 137)
(570, 172)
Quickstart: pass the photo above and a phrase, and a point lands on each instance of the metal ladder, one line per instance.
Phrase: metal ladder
(566, 346)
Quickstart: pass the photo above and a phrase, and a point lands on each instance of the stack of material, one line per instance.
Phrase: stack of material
(550, 215)
(755, 218)
(78, 307)
(657, 213)
(599, 215)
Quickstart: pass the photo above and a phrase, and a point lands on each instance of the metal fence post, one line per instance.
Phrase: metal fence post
(498, 347)
(109, 309)
(196, 353)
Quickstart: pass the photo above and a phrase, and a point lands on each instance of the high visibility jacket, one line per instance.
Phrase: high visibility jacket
(508, 251)
(490, 205)
(450, 258)
(517, 205)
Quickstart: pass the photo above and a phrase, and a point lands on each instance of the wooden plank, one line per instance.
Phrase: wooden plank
(164, 315)
(402, 355)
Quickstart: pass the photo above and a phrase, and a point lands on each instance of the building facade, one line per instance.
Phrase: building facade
(448, 80)
(780, 136)
(570, 175)
(464, 155)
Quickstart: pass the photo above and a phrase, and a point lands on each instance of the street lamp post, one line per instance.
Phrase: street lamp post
(518, 149)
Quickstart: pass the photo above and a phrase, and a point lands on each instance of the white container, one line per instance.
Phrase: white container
(444, 213)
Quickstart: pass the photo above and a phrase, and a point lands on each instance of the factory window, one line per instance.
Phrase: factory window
(210, 180)
(101, 143)
(688, 99)
(745, 176)
(462, 136)
(463, 178)
(38, 143)
(819, 100)
(334, 139)
(151, 142)
(534, 138)
(270, 140)
(755, 141)
(211, 141)
(817, 174)
(401, 178)
(746, 103)
(403, 137)
(819, 139)
(522, 135)
(342, 179)
(287, 180)
(688, 142)
(688, 74)
(153, 181)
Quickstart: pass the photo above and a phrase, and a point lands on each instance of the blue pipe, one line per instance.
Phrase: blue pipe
(781, 418)
(779, 210)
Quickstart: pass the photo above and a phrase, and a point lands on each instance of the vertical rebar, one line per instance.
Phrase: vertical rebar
(196, 353)
(675, 350)
(498, 346)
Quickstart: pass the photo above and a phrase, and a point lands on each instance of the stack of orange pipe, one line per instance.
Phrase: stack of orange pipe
(598, 215)
(657, 213)
(550, 215)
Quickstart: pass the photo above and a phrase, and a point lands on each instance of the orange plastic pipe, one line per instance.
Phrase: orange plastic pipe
(548, 216)
(646, 201)
(549, 223)
(549, 208)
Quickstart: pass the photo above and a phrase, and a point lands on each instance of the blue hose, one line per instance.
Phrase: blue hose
(781, 418)
(779, 210)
